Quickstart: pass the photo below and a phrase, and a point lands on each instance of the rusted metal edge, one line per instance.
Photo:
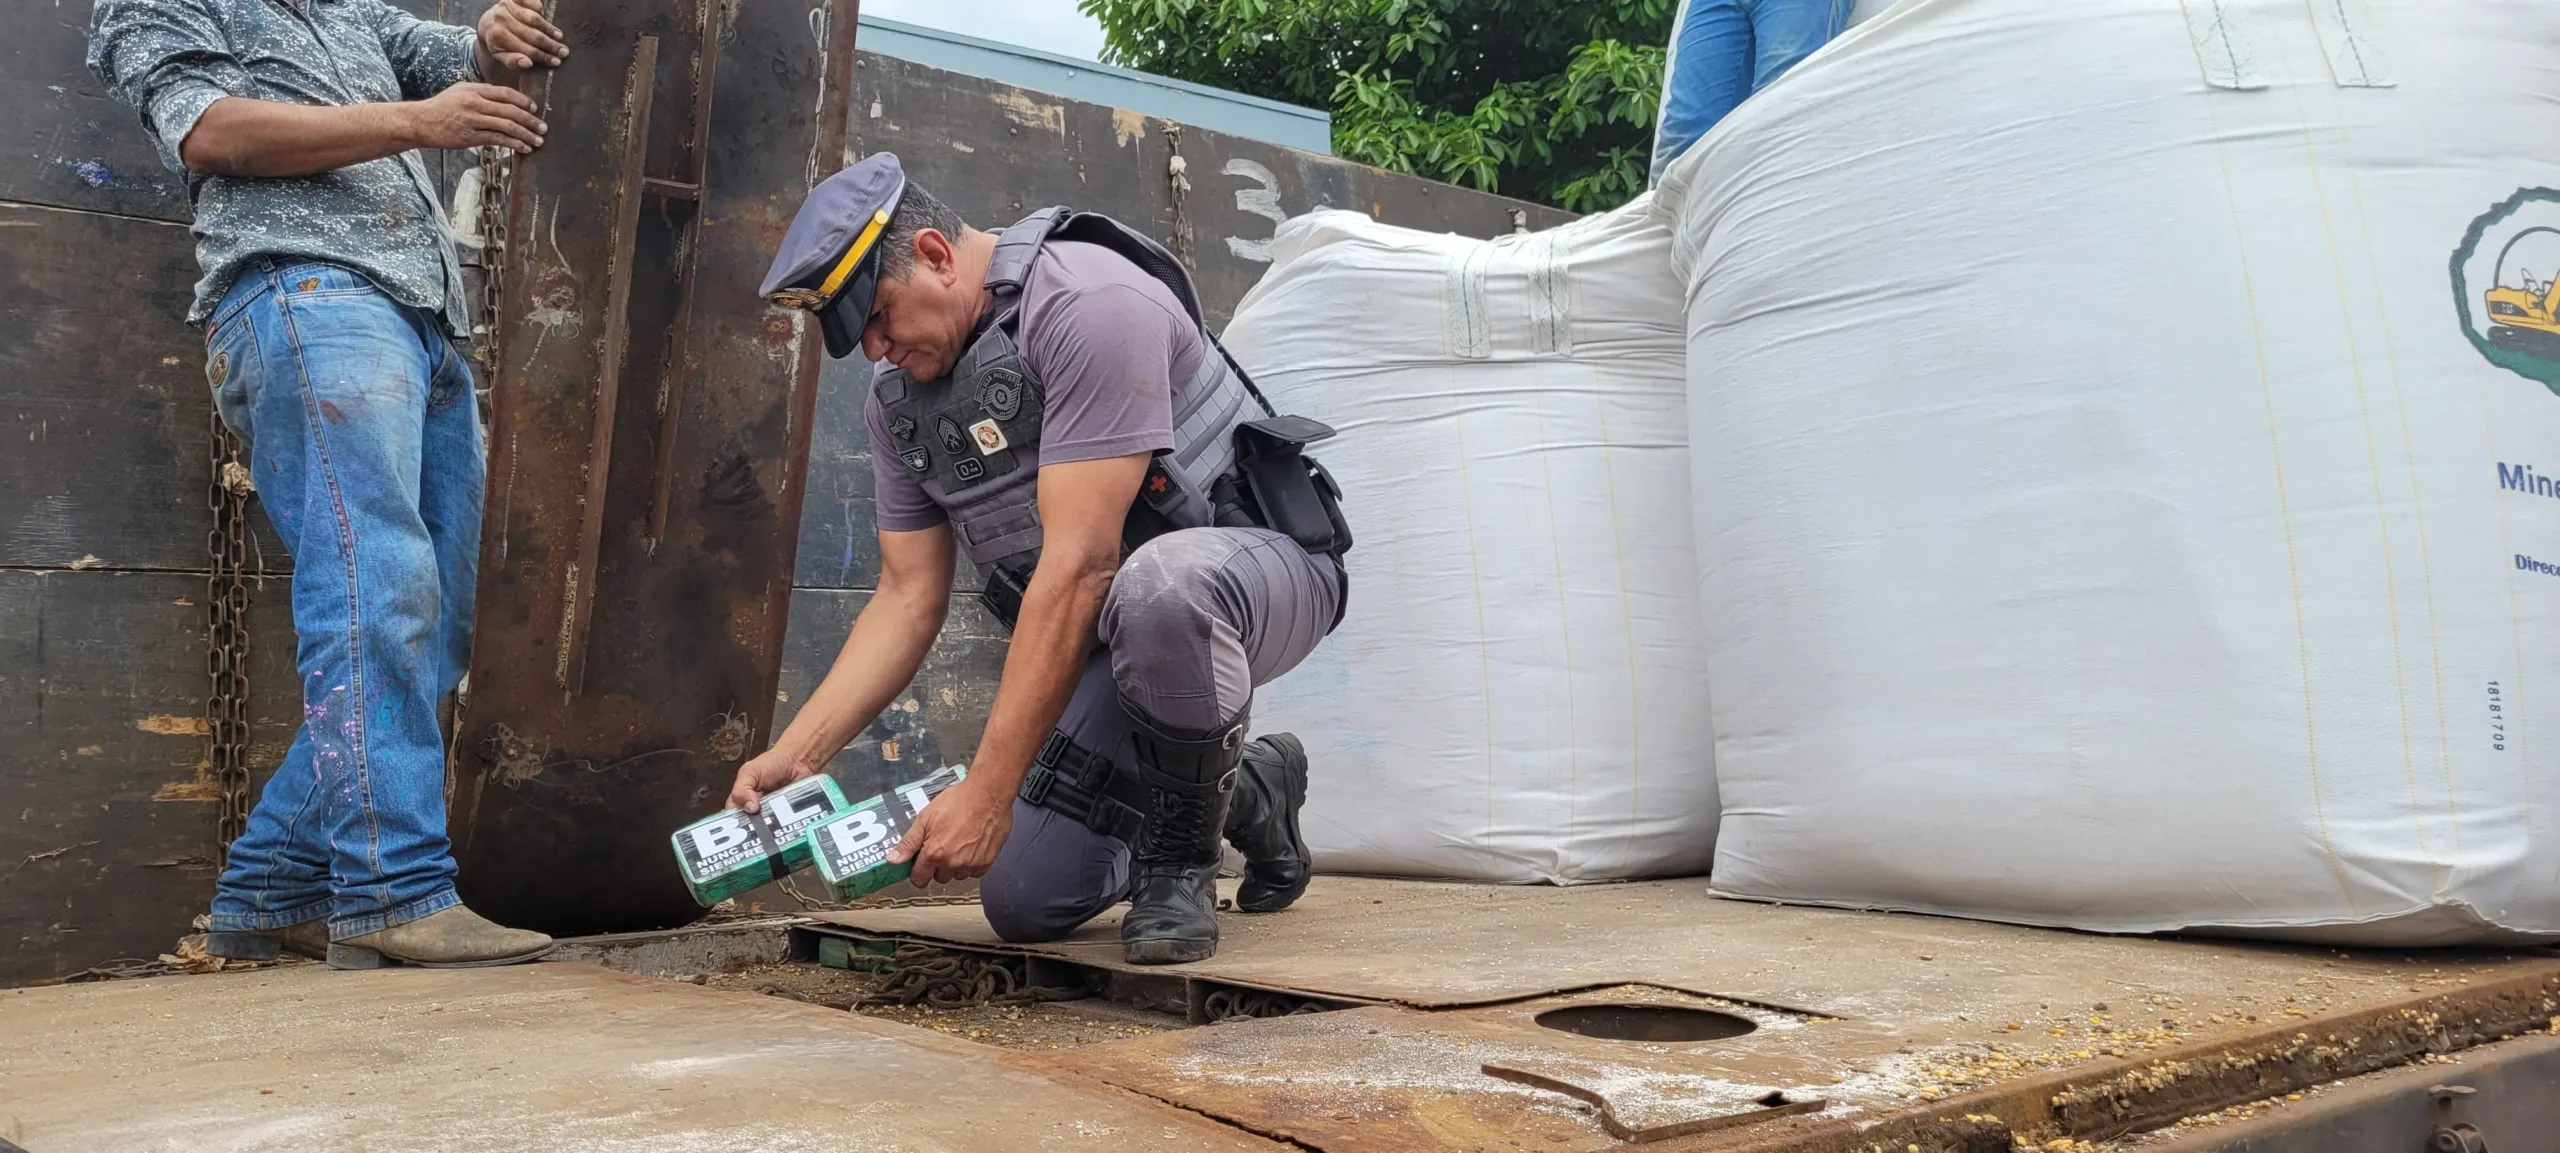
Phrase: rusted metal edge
(846, 928)
(2395, 1110)
(2110, 1099)
(672, 377)
(638, 92)
(821, 926)
(1643, 1134)
(826, 155)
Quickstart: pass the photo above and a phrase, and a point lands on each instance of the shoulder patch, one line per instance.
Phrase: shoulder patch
(1001, 393)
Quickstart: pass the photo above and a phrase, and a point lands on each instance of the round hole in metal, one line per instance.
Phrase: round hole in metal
(1661, 1024)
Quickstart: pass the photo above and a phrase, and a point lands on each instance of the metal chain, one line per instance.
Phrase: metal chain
(226, 598)
(1177, 173)
(496, 165)
(922, 974)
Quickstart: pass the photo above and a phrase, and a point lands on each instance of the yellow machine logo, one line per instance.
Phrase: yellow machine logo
(2506, 281)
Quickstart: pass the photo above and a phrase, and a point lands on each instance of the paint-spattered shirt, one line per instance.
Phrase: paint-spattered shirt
(171, 59)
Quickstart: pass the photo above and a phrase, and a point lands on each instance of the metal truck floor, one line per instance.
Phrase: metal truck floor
(1812, 1030)
(548, 1056)
(1905, 1030)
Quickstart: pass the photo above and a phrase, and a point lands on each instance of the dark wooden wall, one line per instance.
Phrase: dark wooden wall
(107, 835)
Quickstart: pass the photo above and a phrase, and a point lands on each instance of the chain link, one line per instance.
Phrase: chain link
(496, 165)
(1177, 173)
(226, 598)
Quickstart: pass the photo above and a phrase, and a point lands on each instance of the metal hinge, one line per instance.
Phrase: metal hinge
(2453, 1135)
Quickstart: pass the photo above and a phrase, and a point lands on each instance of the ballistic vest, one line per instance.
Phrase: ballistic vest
(967, 434)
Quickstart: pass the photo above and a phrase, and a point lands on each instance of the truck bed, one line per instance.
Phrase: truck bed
(1412, 1016)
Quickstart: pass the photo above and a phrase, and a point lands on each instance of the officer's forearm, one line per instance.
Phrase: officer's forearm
(881, 655)
(1050, 639)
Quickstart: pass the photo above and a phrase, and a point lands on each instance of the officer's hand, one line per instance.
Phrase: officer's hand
(763, 775)
(516, 34)
(958, 834)
(471, 115)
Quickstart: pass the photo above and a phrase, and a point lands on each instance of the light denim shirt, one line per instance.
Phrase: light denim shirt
(171, 59)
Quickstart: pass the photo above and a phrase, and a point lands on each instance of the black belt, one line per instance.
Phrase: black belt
(1076, 782)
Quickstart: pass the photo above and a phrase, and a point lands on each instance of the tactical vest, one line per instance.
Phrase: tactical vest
(967, 435)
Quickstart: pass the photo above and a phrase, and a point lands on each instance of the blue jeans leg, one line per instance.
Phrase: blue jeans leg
(452, 487)
(364, 441)
(1709, 73)
(1784, 32)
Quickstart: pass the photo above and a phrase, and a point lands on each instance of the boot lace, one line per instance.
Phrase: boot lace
(1180, 821)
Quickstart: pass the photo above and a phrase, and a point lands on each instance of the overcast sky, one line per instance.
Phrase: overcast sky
(1049, 25)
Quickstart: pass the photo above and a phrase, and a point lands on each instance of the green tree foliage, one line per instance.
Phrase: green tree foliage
(1548, 100)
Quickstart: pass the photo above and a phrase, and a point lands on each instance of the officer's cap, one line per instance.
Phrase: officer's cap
(830, 259)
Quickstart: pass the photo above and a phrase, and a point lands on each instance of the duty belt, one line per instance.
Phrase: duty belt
(1076, 782)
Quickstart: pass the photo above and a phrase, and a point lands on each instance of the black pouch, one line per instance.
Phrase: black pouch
(1289, 491)
(1002, 594)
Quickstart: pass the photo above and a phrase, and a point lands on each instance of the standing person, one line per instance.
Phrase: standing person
(1723, 51)
(331, 302)
(1050, 399)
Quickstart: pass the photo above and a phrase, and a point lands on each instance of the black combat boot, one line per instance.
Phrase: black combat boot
(1262, 823)
(1173, 899)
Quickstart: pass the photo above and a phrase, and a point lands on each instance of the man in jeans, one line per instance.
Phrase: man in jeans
(1725, 50)
(331, 300)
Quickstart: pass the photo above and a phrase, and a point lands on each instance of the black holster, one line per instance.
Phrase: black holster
(1276, 485)
(1084, 786)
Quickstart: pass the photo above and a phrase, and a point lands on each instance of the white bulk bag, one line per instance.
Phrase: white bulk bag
(1517, 692)
(2118, 506)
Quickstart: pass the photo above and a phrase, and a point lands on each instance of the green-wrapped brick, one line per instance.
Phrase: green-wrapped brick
(852, 849)
(730, 852)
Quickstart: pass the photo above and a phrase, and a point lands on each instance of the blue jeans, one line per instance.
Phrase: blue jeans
(364, 439)
(1725, 50)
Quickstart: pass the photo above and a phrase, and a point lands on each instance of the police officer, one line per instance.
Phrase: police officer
(1049, 399)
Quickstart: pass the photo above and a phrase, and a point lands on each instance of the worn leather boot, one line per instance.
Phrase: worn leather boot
(456, 938)
(1262, 823)
(308, 939)
(1173, 899)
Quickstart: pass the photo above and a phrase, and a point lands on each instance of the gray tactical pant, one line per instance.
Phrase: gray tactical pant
(1194, 622)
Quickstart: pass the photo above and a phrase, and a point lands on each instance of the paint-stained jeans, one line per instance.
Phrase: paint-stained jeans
(365, 443)
(1723, 51)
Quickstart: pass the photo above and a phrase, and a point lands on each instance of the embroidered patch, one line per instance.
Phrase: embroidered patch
(1001, 395)
(904, 427)
(916, 458)
(990, 437)
(948, 432)
(970, 469)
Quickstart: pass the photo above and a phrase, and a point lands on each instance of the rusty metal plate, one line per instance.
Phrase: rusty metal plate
(1389, 1079)
(1943, 1031)
(648, 451)
(552, 1057)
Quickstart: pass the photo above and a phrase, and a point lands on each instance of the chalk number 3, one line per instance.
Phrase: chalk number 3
(1263, 202)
